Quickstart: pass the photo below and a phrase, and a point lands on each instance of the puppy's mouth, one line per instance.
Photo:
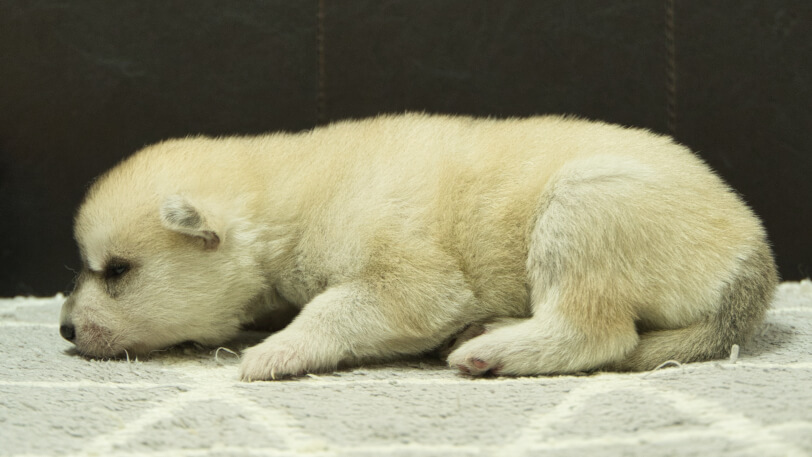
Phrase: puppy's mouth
(96, 342)
(103, 352)
(133, 351)
(93, 341)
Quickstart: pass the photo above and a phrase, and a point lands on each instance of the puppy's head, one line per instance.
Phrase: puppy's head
(158, 270)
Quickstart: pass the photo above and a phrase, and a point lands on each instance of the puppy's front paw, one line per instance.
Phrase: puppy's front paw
(266, 362)
(287, 354)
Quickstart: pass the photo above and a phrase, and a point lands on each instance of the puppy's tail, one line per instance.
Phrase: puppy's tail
(745, 301)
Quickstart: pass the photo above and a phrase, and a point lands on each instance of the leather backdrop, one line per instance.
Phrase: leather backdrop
(84, 83)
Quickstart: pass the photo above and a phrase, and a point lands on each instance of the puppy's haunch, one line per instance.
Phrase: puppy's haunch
(561, 245)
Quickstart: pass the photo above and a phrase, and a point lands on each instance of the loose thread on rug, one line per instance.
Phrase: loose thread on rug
(667, 363)
(734, 353)
(217, 352)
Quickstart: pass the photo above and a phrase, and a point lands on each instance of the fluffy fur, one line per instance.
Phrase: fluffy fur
(561, 245)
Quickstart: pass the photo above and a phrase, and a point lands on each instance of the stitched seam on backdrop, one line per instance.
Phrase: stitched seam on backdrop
(671, 68)
(321, 96)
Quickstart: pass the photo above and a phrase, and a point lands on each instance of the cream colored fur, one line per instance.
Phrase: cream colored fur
(572, 245)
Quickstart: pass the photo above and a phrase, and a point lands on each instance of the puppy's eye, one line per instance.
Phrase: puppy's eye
(116, 270)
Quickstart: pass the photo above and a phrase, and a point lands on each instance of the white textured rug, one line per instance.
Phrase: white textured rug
(187, 402)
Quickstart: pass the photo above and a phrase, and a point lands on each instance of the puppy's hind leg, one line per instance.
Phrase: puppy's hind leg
(553, 341)
(583, 317)
(472, 331)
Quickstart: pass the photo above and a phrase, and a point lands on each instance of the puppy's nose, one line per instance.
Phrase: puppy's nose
(68, 332)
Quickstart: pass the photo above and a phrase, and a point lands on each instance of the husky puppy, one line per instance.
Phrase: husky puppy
(543, 245)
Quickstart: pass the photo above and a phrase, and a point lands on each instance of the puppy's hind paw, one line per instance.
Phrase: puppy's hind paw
(494, 353)
(478, 367)
(470, 332)
(471, 359)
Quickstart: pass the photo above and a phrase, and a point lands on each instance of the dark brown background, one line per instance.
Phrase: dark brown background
(84, 83)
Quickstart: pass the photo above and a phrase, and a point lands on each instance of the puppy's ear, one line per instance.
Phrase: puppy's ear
(181, 216)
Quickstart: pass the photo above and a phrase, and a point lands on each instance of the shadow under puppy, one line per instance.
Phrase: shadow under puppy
(562, 245)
